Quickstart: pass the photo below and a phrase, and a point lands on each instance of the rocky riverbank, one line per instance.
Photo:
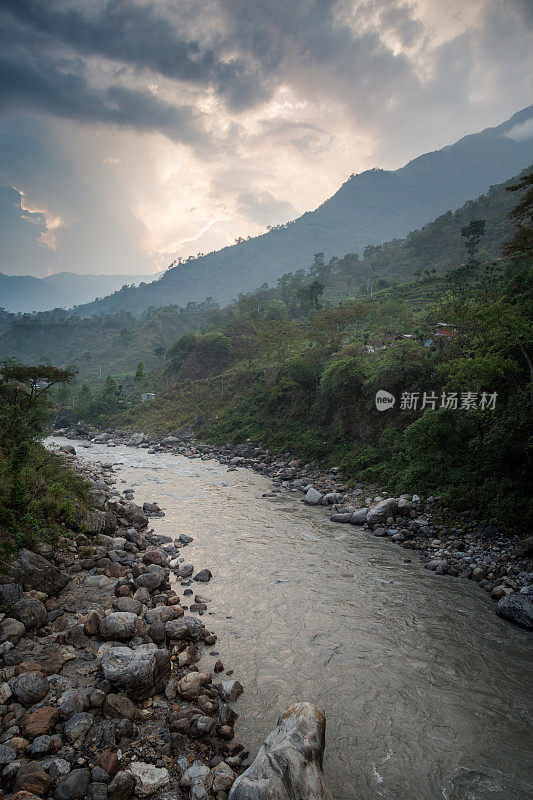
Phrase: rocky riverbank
(502, 564)
(110, 684)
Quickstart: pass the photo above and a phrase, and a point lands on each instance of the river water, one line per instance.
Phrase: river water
(427, 693)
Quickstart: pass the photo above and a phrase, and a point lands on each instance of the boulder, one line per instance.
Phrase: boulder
(11, 630)
(74, 786)
(139, 673)
(119, 625)
(99, 522)
(191, 685)
(134, 515)
(148, 778)
(204, 576)
(289, 763)
(518, 608)
(32, 778)
(41, 721)
(77, 727)
(312, 497)
(30, 612)
(121, 787)
(35, 572)
(29, 688)
(9, 593)
(359, 516)
(382, 510)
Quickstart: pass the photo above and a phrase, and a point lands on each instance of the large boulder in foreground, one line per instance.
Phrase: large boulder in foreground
(35, 572)
(289, 763)
(139, 673)
(518, 608)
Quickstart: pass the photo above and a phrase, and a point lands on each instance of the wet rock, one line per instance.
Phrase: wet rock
(139, 673)
(518, 608)
(119, 625)
(148, 778)
(29, 688)
(289, 763)
(35, 572)
(74, 786)
(32, 778)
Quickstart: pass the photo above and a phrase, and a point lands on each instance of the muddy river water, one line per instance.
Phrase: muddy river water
(427, 693)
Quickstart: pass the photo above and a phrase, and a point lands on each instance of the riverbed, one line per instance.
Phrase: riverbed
(427, 693)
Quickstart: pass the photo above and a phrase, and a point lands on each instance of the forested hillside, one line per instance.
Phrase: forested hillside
(117, 342)
(369, 209)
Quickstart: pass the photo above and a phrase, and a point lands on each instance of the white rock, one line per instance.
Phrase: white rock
(148, 779)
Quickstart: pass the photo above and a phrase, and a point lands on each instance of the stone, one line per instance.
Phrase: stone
(230, 690)
(119, 706)
(127, 604)
(312, 497)
(70, 703)
(7, 754)
(185, 571)
(9, 593)
(148, 778)
(190, 686)
(139, 673)
(11, 630)
(5, 694)
(204, 576)
(29, 688)
(518, 608)
(35, 572)
(77, 727)
(30, 612)
(359, 516)
(32, 778)
(108, 761)
(121, 787)
(382, 510)
(221, 778)
(92, 623)
(196, 773)
(41, 721)
(58, 767)
(176, 629)
(40, 746)
(149, 580)
(74, 786)
(289, 763)
(119, 625)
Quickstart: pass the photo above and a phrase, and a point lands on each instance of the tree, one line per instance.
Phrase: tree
(140, 373)
(23, 402)
(472, 234)
(316, 289)
(522, 215)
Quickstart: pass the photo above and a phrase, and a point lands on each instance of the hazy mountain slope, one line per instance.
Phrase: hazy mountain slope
(24, 293)
(116, 343)
(369, 208)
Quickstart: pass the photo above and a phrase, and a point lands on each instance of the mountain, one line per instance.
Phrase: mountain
(370, 208)
(115, 343)
(24, 293)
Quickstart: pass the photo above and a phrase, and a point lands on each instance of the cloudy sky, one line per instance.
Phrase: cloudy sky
(133, 132)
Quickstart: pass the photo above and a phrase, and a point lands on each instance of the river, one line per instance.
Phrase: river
(427, 693)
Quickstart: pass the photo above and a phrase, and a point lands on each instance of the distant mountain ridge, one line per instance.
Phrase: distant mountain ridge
(25, 293)
(370, 208)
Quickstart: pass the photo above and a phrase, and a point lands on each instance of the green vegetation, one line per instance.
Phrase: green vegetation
(297, 369)
(38, 493)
